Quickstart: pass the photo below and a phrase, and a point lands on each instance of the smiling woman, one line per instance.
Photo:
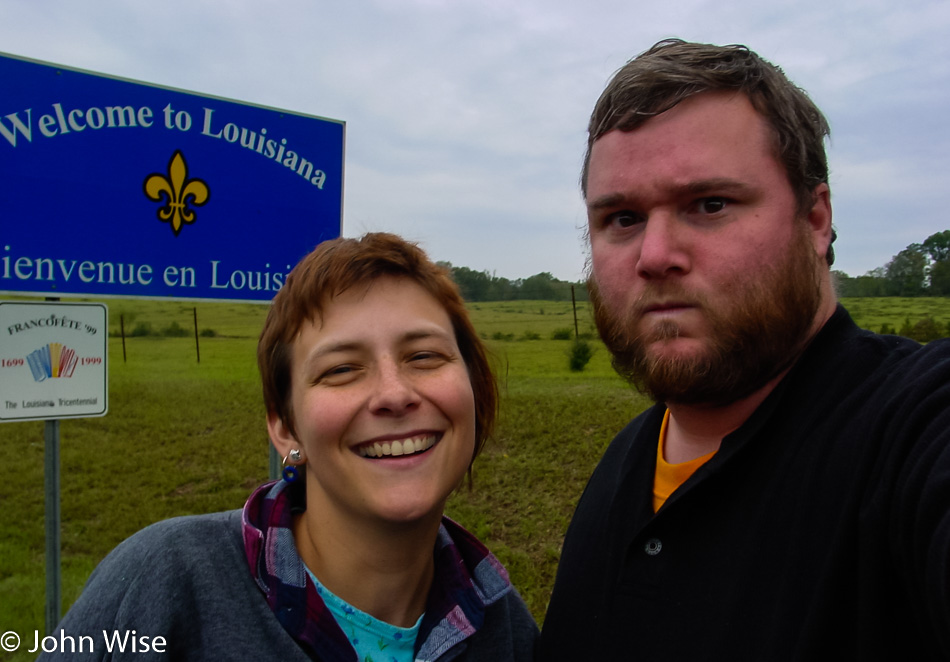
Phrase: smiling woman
(379, 397)
(380, 367)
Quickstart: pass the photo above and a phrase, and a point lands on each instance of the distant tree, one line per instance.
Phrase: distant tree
(483, 286)
(906, 273)
(539, 286)
(937, 246)
(940, 278)
(843, 283)
(868, 285)
(474, 285)
(501, 289)
(872, 284)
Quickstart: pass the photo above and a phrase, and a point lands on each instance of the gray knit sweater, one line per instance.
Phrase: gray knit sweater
(181, 590)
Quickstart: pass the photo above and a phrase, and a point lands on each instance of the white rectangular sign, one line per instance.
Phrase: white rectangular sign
(53, 360)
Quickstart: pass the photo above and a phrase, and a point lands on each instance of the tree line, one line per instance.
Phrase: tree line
(918, 270)
(483, 286)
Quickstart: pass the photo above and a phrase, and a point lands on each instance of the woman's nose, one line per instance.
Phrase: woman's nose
(393, 391)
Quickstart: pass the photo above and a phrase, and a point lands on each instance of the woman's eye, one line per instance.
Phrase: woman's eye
(337, 374)
(427, 359)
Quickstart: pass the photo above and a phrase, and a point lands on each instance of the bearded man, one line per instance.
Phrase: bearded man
(788, 497)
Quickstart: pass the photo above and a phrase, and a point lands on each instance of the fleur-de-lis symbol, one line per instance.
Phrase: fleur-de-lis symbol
(177, 191)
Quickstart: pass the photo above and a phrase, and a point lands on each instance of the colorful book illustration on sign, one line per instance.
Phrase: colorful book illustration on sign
(54, 360)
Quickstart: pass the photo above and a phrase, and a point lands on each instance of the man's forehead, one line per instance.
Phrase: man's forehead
(705, 109)
(705, 138)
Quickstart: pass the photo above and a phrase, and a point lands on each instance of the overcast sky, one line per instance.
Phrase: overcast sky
(465, 119)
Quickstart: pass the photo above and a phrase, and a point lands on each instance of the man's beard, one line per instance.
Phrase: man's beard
(755, 335)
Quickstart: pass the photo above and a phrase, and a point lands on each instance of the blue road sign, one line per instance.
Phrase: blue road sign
(111, 187)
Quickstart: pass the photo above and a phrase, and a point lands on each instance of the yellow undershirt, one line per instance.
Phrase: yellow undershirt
(668, 477)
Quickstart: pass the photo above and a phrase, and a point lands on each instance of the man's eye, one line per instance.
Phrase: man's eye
(623, 219)
(712, 205)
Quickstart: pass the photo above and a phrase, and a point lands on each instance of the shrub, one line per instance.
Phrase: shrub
(887, 330)
(927, 329)
(174, 330)
(579, 355)
(531, 335)
(498, 335)
(208, 333)
(562, 334)
(924, 330)
(141, 329)
(906, 329)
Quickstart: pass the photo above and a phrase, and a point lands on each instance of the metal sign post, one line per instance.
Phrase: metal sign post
(54, 579)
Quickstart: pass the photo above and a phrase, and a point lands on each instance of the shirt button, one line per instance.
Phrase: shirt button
(653, 546)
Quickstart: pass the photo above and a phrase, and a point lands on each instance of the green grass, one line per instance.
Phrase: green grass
(873, 312)
(185, 437)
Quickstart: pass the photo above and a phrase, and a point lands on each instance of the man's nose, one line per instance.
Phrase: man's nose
(662, 247)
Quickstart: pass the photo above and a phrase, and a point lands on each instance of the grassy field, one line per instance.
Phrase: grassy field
(872, 313)
(185, 437)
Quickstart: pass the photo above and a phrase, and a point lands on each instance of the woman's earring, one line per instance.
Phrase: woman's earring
(290, 472)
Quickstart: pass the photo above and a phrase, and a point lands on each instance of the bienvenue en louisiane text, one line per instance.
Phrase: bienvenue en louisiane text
(27, 268)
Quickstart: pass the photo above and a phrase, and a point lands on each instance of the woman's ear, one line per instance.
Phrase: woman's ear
(280, 435)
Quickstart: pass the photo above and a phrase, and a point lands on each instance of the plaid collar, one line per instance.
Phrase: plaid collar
(467, 580)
